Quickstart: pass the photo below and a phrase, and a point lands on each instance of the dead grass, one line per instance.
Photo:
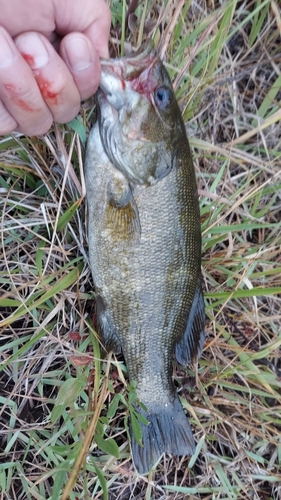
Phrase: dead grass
(225, 59)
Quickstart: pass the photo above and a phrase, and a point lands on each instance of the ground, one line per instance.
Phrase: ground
(56, 391)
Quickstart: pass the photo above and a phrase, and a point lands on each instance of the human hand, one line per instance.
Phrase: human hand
(38, 85)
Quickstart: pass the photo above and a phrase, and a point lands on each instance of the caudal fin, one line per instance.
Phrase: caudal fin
(168, 431)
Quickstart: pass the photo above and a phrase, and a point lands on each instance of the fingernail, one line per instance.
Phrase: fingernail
(7, 52)
(33, 50)
(77, 53)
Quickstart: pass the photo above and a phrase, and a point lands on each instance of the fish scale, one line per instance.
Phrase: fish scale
(145, 243)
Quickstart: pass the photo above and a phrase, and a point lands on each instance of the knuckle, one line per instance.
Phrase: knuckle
(40, 127)
(7, 123)
(7, 128)
(107, 15)
(67, 112)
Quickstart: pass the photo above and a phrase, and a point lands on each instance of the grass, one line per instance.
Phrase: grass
(56, 391)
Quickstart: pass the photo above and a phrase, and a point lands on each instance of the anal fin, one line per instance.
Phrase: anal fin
(105, 328)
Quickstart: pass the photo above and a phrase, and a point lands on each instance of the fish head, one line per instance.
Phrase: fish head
(140, 121)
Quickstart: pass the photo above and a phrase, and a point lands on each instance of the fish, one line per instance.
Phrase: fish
(144, 240)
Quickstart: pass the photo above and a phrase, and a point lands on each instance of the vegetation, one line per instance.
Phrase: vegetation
(64, 408)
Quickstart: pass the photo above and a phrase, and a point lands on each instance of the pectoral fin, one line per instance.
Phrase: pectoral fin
(122, 211)
(190, 347)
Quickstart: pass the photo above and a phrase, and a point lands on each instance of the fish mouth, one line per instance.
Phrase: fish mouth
(135, 72)
(131, 66)
(127, 83)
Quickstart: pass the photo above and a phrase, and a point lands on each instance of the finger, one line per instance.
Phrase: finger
(98, 32)
(91, 18)
(53, 78)
(19, 92)
(7, 123)
(83, 63)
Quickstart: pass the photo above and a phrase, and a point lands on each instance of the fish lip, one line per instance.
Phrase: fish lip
(145, 52)
(104, 103)
(101, 96)
(130, 67)
(136, 72)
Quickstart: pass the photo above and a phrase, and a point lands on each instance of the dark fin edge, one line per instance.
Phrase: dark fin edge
(168, 431)
(106, 329)
(191, 345)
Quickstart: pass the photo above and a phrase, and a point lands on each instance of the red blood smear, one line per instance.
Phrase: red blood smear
(142, 87)
(24, 105)
(146, 82)
(29, 59)
(45, 87)
(20, 102)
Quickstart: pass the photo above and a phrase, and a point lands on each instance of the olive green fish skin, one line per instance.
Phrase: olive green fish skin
(145, 244)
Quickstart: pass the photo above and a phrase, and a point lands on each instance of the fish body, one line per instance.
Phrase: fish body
(145, 243)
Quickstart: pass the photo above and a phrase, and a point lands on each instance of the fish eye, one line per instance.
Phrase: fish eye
(163, 97)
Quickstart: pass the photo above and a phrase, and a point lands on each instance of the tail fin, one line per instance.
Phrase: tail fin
(168, 430)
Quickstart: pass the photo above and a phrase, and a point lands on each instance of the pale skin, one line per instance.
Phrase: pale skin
(49, 60)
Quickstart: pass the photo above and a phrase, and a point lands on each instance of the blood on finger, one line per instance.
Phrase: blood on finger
(45, 87)
(43, 83)
(29, 59)
(20, 102)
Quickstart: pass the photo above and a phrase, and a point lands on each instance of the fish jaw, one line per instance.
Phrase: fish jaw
(136, 72)
(123, 80)
(115, 85)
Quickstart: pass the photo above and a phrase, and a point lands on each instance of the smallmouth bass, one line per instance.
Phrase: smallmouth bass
(145, 242)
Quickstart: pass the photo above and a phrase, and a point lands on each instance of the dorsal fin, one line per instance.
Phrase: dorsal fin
(191, 345)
